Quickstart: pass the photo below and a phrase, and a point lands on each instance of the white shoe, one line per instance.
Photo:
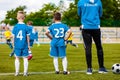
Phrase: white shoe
(76, 46)
(25, 74)
(17, 73)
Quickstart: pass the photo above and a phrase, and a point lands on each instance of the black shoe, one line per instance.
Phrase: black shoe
(57, 72)
(89, 71)
(102, 70)
(66, 72)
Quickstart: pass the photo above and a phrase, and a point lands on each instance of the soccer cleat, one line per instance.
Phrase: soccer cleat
(30, 57)
(76, 46)
(25, 74)
(89, 71)
(57, 72)
(16, 74)
(66, 72)
(102, 70)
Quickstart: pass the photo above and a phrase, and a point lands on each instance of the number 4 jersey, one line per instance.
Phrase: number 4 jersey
(20, 32)
(58, 31)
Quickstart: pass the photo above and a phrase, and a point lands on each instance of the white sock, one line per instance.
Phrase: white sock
(17, 65)
(55, 62)
(64, 63)
(25, 65)
(37, 43)
(30, 52)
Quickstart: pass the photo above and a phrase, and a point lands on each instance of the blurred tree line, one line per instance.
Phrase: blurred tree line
(43, 17)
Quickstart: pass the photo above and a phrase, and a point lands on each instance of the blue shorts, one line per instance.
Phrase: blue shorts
(31, 43)
(36, 39)
(21, 52)
(58, 51)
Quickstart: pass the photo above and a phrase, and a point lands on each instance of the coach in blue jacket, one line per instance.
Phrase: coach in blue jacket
(90, 12)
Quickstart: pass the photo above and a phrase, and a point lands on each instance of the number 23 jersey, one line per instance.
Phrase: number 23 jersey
(58, 31)
(20, 32)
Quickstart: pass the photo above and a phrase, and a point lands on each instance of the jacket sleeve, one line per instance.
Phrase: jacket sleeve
(79, 9)
(100, 10)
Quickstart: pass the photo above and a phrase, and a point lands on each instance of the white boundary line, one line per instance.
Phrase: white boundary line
(51, 72)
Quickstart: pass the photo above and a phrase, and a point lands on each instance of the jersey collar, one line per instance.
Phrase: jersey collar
(21, 23)
(57, 22)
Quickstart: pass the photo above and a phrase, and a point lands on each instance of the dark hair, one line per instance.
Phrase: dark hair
(30, 23)
(57, 16)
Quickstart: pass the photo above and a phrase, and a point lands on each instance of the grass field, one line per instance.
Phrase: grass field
(41, 66)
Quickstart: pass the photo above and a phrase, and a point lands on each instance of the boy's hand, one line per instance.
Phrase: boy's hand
(29, 48)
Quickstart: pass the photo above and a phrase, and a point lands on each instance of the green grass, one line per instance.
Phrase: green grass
(42, 62)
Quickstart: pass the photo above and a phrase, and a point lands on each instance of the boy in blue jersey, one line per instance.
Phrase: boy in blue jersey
(32, 32)
(90, 12)
(56, 32)
(32, 37)
(36, 37)
(21, 43)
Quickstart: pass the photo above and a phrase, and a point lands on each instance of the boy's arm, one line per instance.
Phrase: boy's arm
(13, 40)
(11, 35)
(28, 41)
(68, 34)
(5, 35)
(100, 10)
(79, 8)
(48, 35)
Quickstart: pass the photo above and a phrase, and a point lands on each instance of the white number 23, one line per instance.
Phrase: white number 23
(59, 32)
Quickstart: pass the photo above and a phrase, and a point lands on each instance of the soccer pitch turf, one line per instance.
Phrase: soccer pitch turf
(41, 66)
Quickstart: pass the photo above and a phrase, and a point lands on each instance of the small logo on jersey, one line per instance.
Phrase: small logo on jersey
(87, 4)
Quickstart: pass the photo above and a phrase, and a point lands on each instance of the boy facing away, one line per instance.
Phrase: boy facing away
(21, 43)
(32, 36)
(56, 32)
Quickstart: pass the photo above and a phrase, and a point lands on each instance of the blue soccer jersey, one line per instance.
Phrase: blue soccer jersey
(58, 31)
(36, 35)
(20, 32)
(32, 35)
(32, 32)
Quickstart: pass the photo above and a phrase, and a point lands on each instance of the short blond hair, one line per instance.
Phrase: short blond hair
(20, 15)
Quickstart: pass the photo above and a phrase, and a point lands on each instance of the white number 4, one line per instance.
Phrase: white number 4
(19, 35)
